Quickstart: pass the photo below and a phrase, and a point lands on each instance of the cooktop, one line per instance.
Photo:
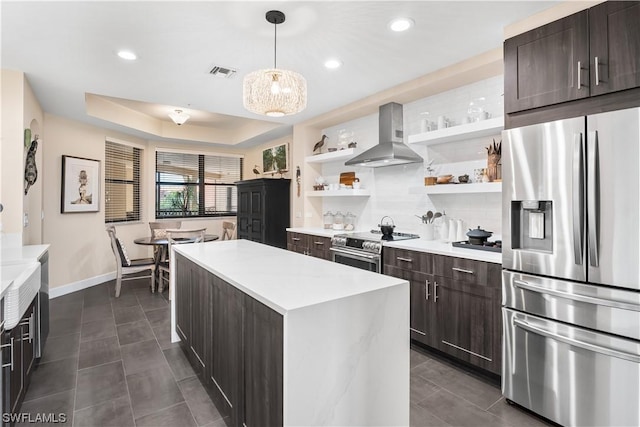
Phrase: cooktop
(377, 235)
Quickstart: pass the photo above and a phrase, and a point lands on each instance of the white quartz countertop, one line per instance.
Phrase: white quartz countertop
(281, 279)
(442, 248)
(14, 254)
(317, 231)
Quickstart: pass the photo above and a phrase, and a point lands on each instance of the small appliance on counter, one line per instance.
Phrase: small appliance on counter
(478, 239)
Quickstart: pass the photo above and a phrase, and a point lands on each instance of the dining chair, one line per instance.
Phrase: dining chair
(159, 230)
(177, 237)
(125, 265)
(228, 230)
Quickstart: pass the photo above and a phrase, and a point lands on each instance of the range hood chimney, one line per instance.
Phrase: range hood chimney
(390, 150)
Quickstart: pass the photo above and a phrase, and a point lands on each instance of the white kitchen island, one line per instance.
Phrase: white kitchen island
(345, 331)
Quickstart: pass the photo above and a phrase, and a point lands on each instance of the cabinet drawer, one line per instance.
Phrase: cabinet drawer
(408, 260)
(467, 270)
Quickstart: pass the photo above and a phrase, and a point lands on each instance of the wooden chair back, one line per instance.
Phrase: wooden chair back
(159, 228)
(228, 230)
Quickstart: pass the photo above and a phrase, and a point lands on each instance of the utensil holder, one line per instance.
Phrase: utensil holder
(428, 232)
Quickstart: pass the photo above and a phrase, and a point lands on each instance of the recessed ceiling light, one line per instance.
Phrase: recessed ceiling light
(127, 54)
(332, 64)
(401, 24)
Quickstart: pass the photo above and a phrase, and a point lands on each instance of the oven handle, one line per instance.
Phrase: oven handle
(577, 343)
(356, 254)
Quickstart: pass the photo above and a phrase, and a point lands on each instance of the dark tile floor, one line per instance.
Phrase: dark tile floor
(110, 362)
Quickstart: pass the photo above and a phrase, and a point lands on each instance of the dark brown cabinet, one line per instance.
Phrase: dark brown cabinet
(592, 52)
(234, 343)
(416, 268)
(307, 244)
(455, 304)
(547, 65)
(614, 36)
(263, 210)
(18, 359)
(469, 323)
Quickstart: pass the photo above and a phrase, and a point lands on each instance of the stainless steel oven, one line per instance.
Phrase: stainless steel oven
(358, 259)
(363, 250)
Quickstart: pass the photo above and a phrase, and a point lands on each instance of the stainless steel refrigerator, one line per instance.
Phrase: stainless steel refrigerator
(571, 278)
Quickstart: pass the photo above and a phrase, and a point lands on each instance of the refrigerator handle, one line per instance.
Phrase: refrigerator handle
(578, 197)
(593, 202)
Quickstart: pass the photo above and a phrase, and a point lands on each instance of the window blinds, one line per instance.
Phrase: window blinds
(122, 182)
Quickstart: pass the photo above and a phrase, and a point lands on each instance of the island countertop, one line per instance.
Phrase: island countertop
(280, 279)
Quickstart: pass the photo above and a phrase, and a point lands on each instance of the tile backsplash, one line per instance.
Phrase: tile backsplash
(398, 191)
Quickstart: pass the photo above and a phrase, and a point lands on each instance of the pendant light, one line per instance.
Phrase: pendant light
(274, 92)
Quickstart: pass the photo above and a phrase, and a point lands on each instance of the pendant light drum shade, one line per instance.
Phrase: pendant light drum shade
(274, 92)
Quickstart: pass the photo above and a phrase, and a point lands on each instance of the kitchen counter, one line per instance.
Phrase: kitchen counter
(442, 248)
(16, 254)
(317, 231)
(345, 331)
(281, 279)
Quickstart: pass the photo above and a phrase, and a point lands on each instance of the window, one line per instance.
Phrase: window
(196, 185)
(122, 182)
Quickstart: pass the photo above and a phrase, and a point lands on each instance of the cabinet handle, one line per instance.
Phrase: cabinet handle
(435, 291)
(295, 239)
(462, 270)
(404, 259)
(319, 243)
(6, 365)
(426, 289)
(597, 74)
(579, 72)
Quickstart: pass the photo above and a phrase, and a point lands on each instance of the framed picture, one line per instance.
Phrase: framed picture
(80, 185)
(275, 159)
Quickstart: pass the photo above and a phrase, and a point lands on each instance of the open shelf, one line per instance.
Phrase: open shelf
(458, 133)
(339, 193)
(333, 156)
(488, 187)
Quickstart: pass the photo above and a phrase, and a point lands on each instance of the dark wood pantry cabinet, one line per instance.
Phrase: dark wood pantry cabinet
(590, 53)
(263, 210)
(235, 344)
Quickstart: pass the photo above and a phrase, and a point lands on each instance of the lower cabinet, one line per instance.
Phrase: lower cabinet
(455, 304)
(18, 359)
(308, 244)
(234, 343)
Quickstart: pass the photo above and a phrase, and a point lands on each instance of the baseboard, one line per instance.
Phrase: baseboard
(59, 291)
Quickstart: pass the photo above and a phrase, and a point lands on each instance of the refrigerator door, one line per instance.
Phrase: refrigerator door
(543, 199)
(613, 194)
(571, 375)
(615, 311)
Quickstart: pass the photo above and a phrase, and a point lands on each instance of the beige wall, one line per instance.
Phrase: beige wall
(80, 247)
(19, 110)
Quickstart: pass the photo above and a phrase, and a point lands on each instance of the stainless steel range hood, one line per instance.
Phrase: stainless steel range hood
(390, 150)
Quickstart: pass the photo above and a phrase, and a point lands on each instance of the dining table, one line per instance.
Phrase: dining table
(162, 245)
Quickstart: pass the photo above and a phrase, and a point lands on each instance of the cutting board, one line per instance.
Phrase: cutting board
(347, 178)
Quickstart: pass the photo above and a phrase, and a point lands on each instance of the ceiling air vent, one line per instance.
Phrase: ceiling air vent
(222, 71)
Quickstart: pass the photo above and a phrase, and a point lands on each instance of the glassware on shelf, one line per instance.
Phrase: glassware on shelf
(349, 222)
(476, 110)
(338, 221)
(328, 219)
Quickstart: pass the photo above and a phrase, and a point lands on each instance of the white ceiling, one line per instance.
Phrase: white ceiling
(67, 49)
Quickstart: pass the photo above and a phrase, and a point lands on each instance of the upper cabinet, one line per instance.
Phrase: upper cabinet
(614, 31)
(593, 52)
(547, 65)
